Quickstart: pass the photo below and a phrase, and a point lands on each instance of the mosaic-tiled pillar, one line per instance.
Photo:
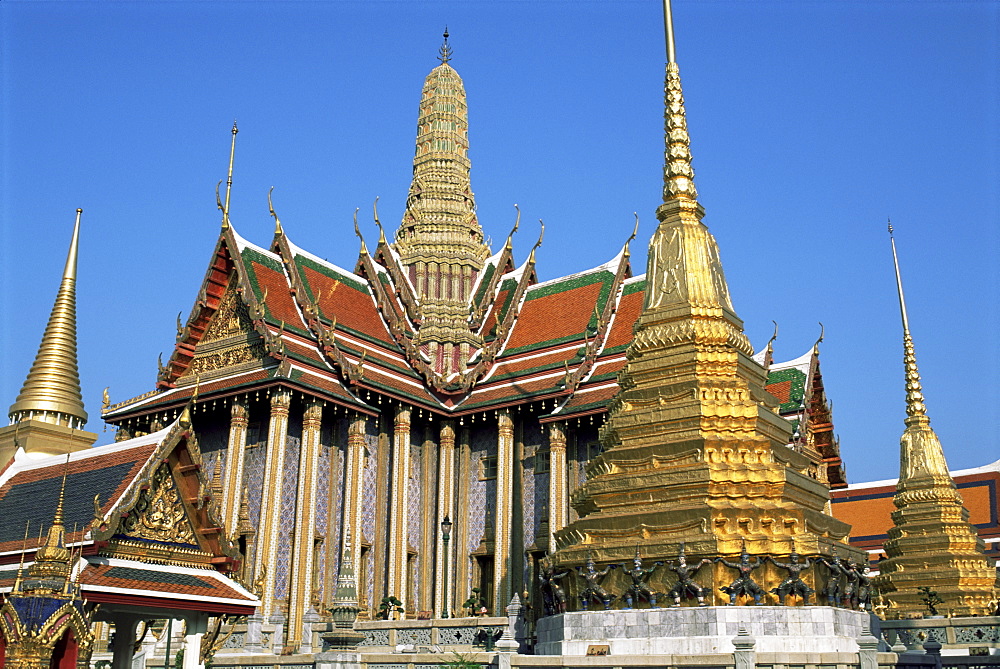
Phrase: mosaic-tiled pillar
(445, 567)
(558, 501)
(354, 484)
(303, 553)
(504, 511)
(399, 484)
(270, 501)
(233, 485)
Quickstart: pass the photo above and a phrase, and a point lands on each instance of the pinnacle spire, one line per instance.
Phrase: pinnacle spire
(921, 452)
(51, 392)
(931, 543)
(444, 53)
(229, 177)
(678, 174)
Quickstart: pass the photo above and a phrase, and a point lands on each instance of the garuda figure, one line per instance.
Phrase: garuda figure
(686, 588)
(793, 583)
(593, 579)
(640, 589)
(743, 585)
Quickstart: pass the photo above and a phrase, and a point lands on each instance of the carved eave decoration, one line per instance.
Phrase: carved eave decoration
(222, 271)
(168, 515)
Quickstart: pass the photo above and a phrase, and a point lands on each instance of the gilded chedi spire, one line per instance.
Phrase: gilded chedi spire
(694, 452)
(440, 242)
(931, 542)
(51, 393)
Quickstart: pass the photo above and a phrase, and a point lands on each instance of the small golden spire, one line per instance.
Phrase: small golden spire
(915, 408)
(51, 392)
(53, 559)
(229, 179)
(444, 53)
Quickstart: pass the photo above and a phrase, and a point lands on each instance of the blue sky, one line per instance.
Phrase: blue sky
(811, 122)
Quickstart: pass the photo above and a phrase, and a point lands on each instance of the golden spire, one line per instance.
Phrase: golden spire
(678, 174)
(921, 452)
(53, 559)
(683, 265)
(51, 393)
(229, 178)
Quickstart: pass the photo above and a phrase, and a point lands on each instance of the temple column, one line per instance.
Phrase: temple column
(446, 507)
(193, 633)
(303, 551)
(504, 511)
(399, 487)
(233, 485)
(123, 644)
(270, 501)
(353, 488)
(558, 495)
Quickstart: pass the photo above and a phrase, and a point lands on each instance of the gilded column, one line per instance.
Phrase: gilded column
(270, 500)
(303, 553)
(558, 494)
(504, 512)
(399, 483)
(430, 524)
(354, 485)
(445, 567)
(233, 489)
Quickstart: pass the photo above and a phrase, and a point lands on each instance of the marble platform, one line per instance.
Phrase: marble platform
(697, 630)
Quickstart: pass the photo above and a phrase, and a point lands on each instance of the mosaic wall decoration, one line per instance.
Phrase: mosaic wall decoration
(323, 476)
(414, 515)
(977, 634)
(289, 485)
(483, 445)
(368, 504)
(457, 635)
(253, 480)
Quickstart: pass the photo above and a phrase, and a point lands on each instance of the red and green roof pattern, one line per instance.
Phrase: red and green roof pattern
(344, 336)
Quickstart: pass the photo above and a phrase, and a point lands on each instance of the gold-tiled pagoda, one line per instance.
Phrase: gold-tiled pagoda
(694, 451)
(931, 544)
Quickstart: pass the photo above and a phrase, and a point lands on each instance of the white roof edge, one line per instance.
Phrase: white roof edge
(75, 456)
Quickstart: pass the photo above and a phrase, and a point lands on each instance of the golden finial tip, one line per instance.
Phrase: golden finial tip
(79, 211)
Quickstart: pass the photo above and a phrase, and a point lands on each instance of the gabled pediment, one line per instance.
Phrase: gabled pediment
(230, 341)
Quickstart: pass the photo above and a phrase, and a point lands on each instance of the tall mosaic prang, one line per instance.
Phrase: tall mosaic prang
(694, 450)
(440, 242)
(931, 543)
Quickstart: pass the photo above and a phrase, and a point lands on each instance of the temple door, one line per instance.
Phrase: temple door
(65, 653)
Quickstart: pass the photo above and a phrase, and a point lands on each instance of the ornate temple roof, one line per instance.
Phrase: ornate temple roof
(120, 554)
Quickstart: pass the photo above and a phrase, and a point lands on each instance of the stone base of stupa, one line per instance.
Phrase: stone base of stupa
(698, 630)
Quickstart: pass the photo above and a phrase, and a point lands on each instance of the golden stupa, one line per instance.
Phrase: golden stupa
(931, 544)
(695, 453)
